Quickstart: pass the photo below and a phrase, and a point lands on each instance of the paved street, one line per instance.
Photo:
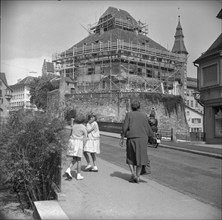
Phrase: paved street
(195, 175)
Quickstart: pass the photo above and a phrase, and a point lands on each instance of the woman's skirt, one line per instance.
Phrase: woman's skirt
(136, 151)
(75, 147)
(92, 145)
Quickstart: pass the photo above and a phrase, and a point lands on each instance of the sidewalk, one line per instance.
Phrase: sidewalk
(210, 150)
(108, 195)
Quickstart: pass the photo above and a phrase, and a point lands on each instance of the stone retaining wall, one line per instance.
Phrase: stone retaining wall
(112, 107)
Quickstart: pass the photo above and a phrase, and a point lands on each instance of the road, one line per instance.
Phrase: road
(192, 174)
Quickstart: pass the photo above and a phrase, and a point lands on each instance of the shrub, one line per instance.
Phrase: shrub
(30, 154)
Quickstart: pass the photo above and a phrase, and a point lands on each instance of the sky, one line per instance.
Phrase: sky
(32, 31)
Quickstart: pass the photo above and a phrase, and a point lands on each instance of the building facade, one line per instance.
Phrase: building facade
(5, 96)
(191, 91)
(21, 96)
(194, 119)
(117, 55)
(209, 75)
(47, 68)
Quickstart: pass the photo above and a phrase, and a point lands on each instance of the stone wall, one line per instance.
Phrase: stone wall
(53, 100)
(112, 107)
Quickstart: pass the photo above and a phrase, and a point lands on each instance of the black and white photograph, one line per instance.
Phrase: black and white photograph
(111, 109)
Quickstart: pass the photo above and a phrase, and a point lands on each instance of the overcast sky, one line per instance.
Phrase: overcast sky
(32, 31)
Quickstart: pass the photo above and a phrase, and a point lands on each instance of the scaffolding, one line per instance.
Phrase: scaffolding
(109, 22)
(139, 67)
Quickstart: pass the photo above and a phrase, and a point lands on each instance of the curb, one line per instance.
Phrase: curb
(218, 156)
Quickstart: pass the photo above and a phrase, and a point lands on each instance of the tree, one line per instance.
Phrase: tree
(39, 88)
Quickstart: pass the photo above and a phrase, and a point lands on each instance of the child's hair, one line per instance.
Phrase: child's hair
(80, 118)
(92, 115)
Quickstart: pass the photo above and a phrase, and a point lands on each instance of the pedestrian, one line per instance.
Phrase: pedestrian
(76, 144)
(92, 146)
(137, 131)
(153, 121)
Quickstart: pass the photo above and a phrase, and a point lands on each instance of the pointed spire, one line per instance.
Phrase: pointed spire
(179, 46)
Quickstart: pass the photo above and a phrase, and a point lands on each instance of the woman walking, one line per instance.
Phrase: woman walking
(76, 144)
(137, 131)
(93, 143)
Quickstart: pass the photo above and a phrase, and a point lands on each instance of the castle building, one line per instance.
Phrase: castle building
(117, 55)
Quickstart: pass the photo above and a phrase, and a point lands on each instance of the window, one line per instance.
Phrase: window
(139, 71)
(90, 71)
(188, 102)
(188, 113)
(196, 104)
(191, 103)
(196, 129)
(72, 90)
(210, 75)
(196, 120)
(104, 85)
(149, 73)
(218, 121)
(0, 93)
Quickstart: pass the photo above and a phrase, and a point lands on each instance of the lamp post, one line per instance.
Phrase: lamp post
(197, 97)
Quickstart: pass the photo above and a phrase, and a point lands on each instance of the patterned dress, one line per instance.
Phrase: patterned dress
(93, 141)
(76, 141)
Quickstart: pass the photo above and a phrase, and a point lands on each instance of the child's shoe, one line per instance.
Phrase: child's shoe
(94, 169)
(88, 167)
(68, 173)
(79, 177)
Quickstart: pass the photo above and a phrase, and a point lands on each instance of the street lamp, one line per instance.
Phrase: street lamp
(197, 97)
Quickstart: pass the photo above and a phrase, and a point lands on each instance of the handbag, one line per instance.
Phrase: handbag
(152, 140)
(146, 169)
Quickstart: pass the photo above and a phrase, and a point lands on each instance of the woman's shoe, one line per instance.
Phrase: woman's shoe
(68, 173)
(79, 176)
(136, 179)
(132, 179)
(88, 168)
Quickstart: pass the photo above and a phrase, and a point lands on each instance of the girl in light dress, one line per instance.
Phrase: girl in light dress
(76, 145)
(93, 143)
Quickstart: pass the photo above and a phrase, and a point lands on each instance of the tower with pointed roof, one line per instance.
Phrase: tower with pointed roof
(117, 55)
(179, 48)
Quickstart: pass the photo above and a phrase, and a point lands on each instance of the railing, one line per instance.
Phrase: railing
(118, 45)
(197, 136)
(113, 127)
(170, 134)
